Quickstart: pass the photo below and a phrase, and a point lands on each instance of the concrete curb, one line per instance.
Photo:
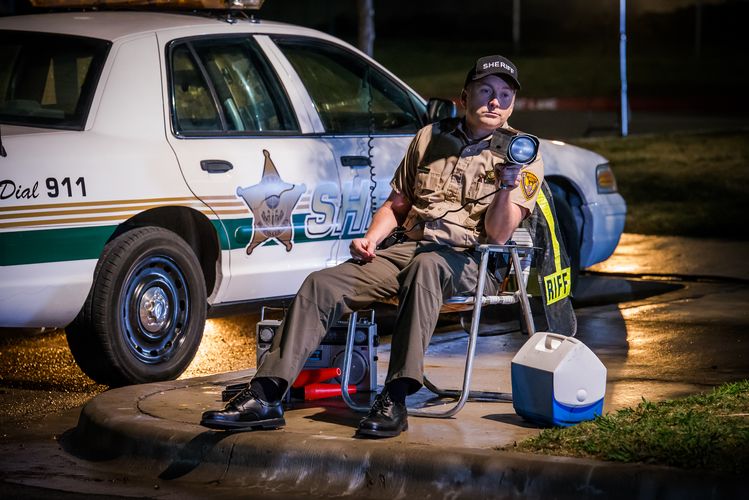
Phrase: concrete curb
(113, 426)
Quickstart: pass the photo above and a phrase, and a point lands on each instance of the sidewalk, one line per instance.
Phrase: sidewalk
(687, 257)
(316, 455)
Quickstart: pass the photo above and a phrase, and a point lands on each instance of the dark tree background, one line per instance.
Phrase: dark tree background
(546, 25)
(676, 48)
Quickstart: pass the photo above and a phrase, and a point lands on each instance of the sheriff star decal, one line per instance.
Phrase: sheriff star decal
(271, 201)
(529, 184)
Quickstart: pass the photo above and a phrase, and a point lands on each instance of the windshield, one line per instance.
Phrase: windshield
(48, 80)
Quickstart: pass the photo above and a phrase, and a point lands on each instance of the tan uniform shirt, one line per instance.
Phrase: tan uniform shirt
(444, 170)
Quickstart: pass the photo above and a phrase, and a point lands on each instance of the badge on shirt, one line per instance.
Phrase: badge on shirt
(489, 178)
(530, 184)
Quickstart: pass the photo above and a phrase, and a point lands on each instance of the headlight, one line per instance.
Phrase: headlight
(514, 147)
(605, 180)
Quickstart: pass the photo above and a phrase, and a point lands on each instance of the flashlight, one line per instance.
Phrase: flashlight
(513, 146)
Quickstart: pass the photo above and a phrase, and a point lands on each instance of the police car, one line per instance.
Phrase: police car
(159, 167)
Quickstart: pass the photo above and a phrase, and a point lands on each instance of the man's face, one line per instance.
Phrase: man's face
(489, 103)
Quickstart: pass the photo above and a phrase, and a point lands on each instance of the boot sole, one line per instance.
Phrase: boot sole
(374, 433)
(270, 424)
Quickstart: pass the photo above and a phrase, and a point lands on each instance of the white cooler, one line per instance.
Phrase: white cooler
(557, 380)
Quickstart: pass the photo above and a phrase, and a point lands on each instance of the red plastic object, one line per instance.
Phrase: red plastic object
(315, 375)
(322, 391)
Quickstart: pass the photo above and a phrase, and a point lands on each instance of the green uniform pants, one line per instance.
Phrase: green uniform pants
(420, 274)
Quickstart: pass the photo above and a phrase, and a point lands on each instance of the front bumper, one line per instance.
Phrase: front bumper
(603, 224)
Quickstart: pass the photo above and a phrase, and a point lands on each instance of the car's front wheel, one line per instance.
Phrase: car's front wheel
(143, 319)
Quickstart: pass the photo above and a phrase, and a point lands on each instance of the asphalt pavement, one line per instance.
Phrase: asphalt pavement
(656, 336)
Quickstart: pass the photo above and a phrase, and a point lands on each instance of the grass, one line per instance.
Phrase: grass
(683, 184)
(705, 431)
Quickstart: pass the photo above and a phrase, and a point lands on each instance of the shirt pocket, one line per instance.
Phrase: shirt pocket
(481, 190)
(428, 179)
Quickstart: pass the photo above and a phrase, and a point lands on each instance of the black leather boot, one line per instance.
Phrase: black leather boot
(386, 418)
(245, 411)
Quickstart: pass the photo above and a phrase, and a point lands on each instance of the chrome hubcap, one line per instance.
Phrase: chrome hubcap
(154, 309)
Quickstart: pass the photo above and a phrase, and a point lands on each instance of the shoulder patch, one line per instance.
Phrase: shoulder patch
(530, 184)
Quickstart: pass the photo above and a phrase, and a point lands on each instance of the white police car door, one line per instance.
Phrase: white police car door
(368, 118)
(246, 149)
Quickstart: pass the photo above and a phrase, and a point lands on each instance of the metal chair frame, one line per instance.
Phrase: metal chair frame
(478, 300)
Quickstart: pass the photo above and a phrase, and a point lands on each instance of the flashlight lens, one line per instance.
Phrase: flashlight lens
(522, 150)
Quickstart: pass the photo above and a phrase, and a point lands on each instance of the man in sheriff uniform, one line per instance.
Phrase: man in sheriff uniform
(449, 193)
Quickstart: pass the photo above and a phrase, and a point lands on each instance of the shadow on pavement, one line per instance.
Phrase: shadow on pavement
(596, 290)
(515, 420)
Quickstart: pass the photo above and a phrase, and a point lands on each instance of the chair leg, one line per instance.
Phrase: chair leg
(525, 304)
(465, 393)
(470, 355)
(482, 396)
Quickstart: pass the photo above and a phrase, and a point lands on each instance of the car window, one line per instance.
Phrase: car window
(194, 108)
(48, 80)
(350, 95)
(226, 85)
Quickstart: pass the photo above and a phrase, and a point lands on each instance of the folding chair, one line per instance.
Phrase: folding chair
(521, 254)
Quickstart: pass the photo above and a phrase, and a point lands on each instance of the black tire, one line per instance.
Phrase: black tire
(143, 319)
(570, 234)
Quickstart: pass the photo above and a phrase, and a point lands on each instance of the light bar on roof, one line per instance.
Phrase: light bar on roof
(174, 4)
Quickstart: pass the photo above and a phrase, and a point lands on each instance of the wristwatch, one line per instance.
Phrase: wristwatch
(503, 186)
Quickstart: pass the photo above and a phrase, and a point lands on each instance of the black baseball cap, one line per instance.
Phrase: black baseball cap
(494, 65)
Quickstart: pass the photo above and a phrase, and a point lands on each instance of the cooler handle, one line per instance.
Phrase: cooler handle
(556, 336)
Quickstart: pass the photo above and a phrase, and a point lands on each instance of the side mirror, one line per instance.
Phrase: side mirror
(438, 109)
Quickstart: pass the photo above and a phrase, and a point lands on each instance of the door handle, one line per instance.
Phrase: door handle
(355, 161)
(216, 166)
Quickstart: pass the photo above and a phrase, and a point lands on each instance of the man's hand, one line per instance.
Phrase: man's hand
(508, 175)
(387, 218)
(362, 249)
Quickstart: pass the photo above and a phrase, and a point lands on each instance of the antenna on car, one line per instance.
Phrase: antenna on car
(370, 140)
